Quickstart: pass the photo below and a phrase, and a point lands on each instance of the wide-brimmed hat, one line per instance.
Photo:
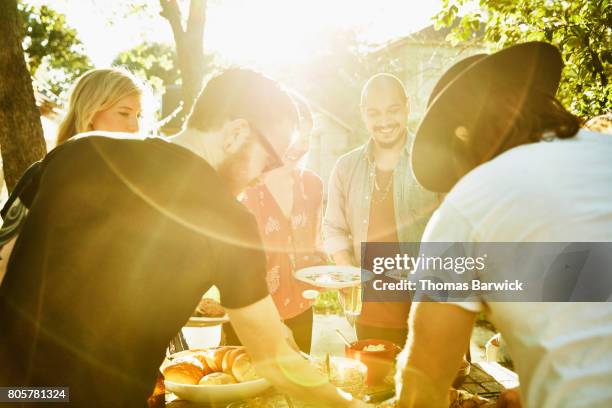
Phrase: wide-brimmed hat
(456, 106)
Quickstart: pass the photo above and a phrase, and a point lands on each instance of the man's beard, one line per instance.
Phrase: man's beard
(390, 145)
(234, 169)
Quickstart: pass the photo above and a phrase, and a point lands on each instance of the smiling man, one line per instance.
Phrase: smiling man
(374, 197)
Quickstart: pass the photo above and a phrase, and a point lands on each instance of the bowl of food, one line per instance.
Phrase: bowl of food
(208, 313)
(203, 329)
(377, 355)
(212, 375)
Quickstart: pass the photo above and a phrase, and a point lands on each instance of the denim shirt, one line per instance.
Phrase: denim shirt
(345, 225)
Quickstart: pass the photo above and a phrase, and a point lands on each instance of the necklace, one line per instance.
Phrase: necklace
(385, 190)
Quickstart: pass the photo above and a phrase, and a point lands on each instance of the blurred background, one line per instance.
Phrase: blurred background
(324, 50)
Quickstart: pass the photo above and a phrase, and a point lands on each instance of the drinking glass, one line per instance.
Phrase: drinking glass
(350, 299)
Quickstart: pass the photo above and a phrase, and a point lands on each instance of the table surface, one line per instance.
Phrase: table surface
(485, 379)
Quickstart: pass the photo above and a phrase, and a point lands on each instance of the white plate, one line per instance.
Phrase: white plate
(330, 276)
(206, 321)
(218, 393)
(398, 274)
(213, 393)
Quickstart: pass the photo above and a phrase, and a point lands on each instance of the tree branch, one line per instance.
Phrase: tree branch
(189, 45)
(197, 19)
(172, 13)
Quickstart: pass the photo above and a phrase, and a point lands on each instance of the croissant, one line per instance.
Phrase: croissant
(243, 369)
(222, 365)
(187, 370)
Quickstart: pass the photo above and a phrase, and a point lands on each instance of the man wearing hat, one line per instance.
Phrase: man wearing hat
(517, 168)
(123, 237)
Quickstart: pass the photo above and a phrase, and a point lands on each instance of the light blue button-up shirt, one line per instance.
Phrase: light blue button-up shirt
(347, 216)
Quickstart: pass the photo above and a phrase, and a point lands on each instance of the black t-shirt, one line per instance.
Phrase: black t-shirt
(122, 239)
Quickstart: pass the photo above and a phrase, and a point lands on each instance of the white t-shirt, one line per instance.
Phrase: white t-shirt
(558, 191)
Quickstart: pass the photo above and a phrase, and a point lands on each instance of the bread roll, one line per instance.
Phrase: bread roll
(243, 369)
(219, 354)
(209, 357)
(217, 379)
(188, 370)
(229, 357)
(209, 308)
(200, 355)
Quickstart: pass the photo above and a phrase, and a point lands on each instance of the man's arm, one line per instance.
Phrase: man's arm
(438, 336)
(260, 330)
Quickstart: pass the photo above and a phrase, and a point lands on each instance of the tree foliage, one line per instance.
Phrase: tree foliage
(52, 48)
(582, 29)
(154, 62)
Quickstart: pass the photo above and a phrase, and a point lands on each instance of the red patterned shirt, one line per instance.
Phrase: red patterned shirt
(290, 243)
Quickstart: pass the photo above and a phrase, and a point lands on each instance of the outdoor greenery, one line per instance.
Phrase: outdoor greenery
(53, 52)
(328, 303)
(154, 62)
(582, 29)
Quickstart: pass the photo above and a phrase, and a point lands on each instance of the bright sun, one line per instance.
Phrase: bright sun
(281, 33)
(267, 33)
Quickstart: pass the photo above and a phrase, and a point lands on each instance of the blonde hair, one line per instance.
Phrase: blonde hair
(95, 91)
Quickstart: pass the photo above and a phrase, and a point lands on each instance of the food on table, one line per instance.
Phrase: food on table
(229, 357)
(332, 277)
(243, 369)
(218, 355)
(463, 399)
(379, 362)
(217, 379)
(215, 366)
(374, 347)
(209, 308)
(206, 359)
(185, 370)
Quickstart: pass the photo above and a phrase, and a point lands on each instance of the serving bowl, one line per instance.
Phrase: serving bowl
(378, 362)
(224, 393)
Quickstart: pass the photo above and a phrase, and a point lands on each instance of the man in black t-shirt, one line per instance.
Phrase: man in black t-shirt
(123, 237)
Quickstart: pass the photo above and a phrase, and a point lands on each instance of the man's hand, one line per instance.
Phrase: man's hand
(439, 334)
(510, 399)
(260, 330)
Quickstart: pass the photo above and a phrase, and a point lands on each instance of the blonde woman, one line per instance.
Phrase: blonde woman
(108, 99)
